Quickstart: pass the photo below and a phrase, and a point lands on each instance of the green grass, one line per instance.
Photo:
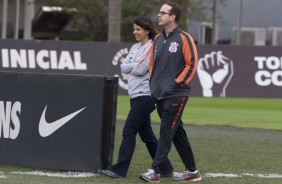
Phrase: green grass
(217, 149)
(216, 128)
(237, 112)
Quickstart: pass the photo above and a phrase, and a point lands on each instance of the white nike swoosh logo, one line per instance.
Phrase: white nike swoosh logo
(46, 129)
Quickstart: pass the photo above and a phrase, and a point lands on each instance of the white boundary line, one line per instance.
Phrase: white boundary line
(230, 175)
(2, 176)
(85, 175)
(219, 175)
(264, 175)
(61, 174)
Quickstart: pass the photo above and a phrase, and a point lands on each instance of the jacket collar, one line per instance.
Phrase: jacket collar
(170, 33)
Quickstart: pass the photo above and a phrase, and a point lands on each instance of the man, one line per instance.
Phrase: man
(173, 64)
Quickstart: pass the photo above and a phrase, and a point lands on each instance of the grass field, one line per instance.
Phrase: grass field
(237, 112)
(225, 150)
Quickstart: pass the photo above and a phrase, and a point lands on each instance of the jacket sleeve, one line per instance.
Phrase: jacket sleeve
(190, 54)
(127, 66)
(142, 66)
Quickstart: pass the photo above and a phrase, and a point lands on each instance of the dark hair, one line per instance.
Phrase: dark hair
(147, 24)
(175, 9)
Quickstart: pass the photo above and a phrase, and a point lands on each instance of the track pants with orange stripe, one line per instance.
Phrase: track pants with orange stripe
(170, 111)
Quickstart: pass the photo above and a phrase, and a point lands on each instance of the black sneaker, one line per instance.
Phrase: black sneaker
(110, 174)
(150, 176)
(188, 176)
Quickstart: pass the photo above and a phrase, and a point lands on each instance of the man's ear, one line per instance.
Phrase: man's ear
(172, 17)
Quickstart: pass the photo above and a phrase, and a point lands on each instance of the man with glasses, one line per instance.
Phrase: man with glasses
(173, 63)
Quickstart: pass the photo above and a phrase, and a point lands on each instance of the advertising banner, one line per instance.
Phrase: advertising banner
(239, 71)
(57, 121)
(223, 70)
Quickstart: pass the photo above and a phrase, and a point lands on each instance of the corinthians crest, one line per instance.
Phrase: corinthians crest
(173, 47)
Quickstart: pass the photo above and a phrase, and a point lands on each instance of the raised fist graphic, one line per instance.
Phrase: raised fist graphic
(215, 72)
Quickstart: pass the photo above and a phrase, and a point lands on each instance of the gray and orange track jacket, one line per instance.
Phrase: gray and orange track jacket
(173, 63)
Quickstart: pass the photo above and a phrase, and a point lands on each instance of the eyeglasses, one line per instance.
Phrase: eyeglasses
(161, 13)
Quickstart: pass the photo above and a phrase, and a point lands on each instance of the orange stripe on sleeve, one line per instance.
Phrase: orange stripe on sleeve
(151, 64)
(190, 54)
(147, 54)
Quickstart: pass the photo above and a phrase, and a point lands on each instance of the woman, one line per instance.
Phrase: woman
(136, 65)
